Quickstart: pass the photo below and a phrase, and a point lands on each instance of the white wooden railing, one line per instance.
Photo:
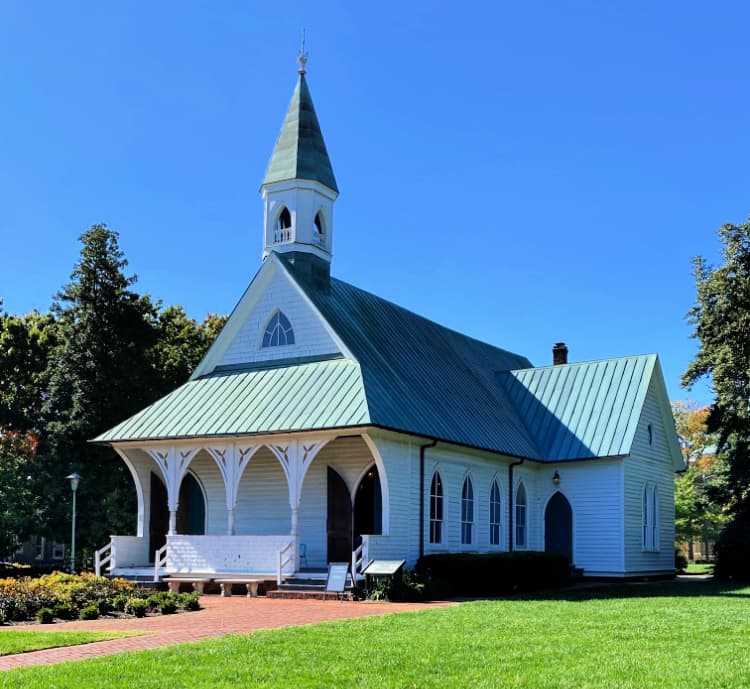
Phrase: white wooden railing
(103, 556)
(160, 560)
(286, 556)
(360, 559)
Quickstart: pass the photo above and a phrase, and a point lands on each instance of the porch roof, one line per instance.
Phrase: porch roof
(304, 396)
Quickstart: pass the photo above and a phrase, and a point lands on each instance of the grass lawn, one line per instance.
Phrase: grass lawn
(703, 568)
(20, 641)
(665, 635)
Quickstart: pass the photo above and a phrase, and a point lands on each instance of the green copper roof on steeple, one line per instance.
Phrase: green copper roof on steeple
(300, 152)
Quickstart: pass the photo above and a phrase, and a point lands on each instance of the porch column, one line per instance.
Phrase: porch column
(295, 458)
(232, 460)
(173, 463)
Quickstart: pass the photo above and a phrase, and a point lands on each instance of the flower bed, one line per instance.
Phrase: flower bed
(61, 596)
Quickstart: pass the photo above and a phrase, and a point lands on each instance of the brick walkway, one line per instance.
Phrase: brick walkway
(236, 615)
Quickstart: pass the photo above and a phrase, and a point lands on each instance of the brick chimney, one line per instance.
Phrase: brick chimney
(559, 354)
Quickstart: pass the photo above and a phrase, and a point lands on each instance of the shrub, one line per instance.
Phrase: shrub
(189, 601)
(90, 612)
(136, 607)
(2, 617)
(64, 611)
(45, 616)
(406, 585)
(491, 574)
(167, 607)
(680, 559)
(733, 550)
(119, 602)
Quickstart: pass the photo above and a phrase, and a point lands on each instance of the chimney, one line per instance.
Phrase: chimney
(559, 354)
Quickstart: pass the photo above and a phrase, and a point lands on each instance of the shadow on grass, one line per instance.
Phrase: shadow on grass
(637, 589)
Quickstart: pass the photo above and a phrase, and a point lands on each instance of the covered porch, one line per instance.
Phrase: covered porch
(270, 506)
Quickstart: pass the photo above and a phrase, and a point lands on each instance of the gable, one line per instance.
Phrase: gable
(583, 410)
(655, 438)
(271, 301)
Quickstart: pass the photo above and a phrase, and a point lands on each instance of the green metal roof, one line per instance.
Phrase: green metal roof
(413, 375)
(300, 152)
(421, 377)
(582, 410)
(318, 395)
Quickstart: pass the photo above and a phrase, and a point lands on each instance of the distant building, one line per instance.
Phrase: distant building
(325, 419)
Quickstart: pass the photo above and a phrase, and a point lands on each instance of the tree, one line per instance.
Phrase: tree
(19, 489)
(181, 344)
(700, 510)
(721, 317)
(99, 373)
(25, 346)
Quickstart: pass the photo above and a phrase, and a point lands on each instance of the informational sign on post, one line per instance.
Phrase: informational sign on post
(337, 576)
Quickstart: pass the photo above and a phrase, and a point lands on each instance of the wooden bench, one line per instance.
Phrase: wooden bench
(251, 583)
(197, 581)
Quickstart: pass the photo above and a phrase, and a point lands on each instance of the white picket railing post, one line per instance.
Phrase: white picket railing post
(160, 560)
(100, 559)
(284, 561)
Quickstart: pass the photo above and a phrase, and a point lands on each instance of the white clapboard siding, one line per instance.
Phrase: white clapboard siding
(263, 497)
(311, 338)
(454, 465)
(652, 464)
(204, 468)
(593, 490)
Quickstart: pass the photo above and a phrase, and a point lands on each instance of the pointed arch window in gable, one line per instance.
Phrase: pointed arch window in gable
(318, 229)
(279, 331)
(283, 230)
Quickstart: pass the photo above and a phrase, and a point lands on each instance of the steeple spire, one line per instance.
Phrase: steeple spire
(300, 152)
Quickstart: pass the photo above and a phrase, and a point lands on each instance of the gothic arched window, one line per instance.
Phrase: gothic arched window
(467, 512)
(436, 509)
(495, 514)
(279, 331)
(521, 516)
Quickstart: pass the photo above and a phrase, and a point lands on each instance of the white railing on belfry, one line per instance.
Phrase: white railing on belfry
(284, 559)
(160, 560)
(103, 556)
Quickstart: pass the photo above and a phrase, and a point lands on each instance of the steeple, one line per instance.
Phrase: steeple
(299, 187)
(300, 152)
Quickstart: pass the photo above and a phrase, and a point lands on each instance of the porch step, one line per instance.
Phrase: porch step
(309, 595)
(304, 583)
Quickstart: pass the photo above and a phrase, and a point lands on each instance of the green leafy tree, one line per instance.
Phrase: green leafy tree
(721, 317)
(700, 511)
(25, 346)
(20, 489)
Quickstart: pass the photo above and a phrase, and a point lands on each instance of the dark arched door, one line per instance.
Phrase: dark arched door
(339, 519)
(159, 520)
(368, 506)
(558, 526)
(191, 509)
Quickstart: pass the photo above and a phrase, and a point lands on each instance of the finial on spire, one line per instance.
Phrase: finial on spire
(302, 57)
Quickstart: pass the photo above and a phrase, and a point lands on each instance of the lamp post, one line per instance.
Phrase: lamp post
(74, 479)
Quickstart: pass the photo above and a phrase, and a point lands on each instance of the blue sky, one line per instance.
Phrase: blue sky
(522, 172)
